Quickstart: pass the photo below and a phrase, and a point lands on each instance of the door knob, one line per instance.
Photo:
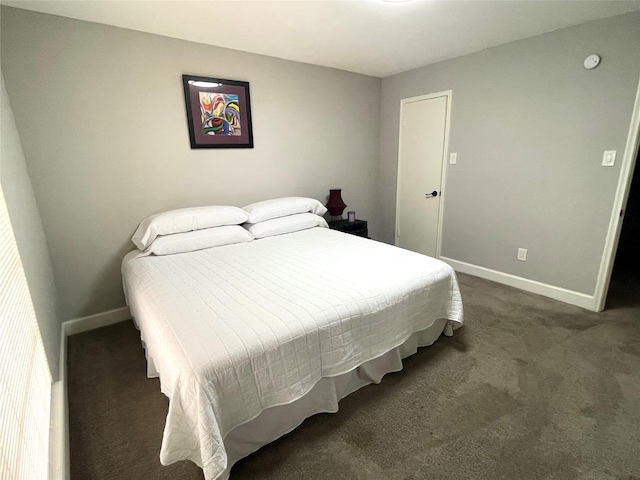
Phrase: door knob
(432, 194)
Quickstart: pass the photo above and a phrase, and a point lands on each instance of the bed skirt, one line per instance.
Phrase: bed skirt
(275, 422)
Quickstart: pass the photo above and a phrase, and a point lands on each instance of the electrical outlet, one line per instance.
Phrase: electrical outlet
(453, 158)
(522, 254)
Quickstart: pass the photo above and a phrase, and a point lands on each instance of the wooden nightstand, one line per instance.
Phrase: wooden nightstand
(359, 227)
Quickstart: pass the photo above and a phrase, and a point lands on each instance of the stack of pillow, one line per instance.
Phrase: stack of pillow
(284, 215)
(197, 228)
(190, 229)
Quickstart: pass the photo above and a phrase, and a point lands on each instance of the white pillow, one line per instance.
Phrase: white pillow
(198, 240)
(281, 207)
(186, 220)
(288, 224)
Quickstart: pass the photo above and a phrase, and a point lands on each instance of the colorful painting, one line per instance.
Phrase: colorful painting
(223, 109)
(220, 114)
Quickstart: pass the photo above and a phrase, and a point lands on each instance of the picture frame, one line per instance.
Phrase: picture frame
(218, 112)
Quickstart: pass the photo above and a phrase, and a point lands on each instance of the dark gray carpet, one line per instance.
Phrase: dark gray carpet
(529, 388)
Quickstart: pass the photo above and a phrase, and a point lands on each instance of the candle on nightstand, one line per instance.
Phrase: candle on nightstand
(351, 216)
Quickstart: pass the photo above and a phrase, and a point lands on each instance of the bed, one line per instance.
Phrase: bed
(252, 338)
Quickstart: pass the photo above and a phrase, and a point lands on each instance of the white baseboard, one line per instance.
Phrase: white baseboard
(59, 466)
(84, 324)
(568, 296)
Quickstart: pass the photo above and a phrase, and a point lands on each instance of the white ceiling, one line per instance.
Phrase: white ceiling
(372, 37)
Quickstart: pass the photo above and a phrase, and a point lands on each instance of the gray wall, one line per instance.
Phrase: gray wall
(102, 119)
(529, 124)
(27, 227)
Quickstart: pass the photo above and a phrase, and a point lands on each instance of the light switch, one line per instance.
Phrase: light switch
(453, 158)
(609, 158)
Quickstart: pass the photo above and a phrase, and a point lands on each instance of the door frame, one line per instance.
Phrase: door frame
(619, 204)
(445, 154)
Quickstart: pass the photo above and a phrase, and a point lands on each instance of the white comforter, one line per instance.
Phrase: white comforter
(237, 329)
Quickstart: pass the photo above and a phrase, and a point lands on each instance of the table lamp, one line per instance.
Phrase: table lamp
(335, 205)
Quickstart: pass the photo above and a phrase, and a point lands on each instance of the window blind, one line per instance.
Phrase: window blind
(25, 380)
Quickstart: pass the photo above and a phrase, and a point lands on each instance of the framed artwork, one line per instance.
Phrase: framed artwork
(218, 112)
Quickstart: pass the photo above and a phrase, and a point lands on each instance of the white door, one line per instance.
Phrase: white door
(423, 130)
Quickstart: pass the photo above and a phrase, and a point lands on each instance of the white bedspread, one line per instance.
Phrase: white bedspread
(237, 329)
